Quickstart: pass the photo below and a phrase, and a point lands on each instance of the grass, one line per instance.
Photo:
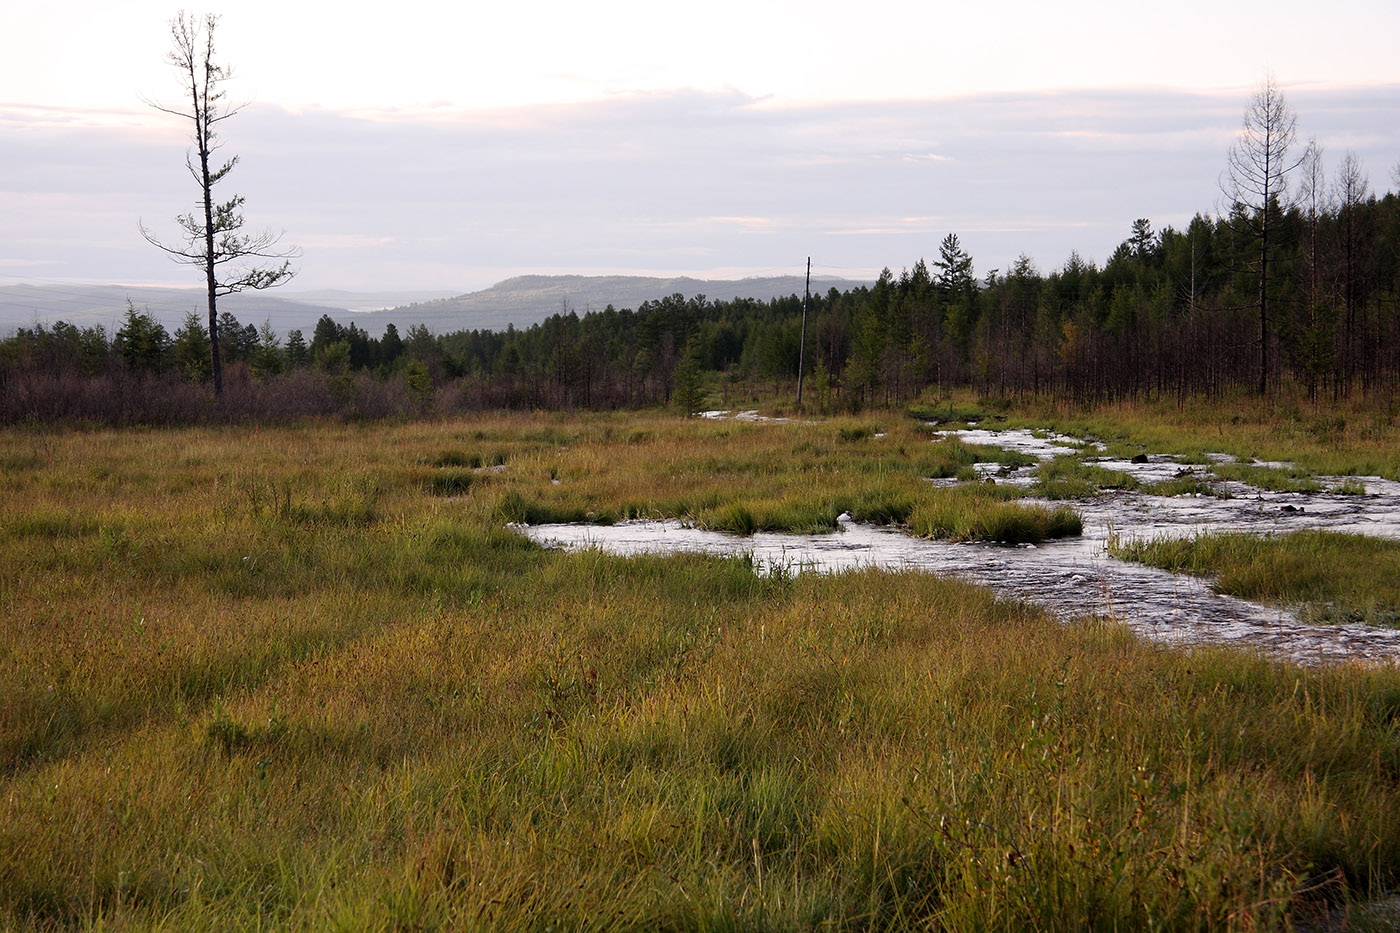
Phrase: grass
(1274, 479)
(1332, 577)
(971, 513)
(1359, 437)
(794, 516)
(1186, 486)
(275, 680)
(1067, 477)
(744, 478)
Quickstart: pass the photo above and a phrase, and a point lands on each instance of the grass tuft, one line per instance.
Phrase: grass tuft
(1331, 577)
(1067, 477)
(970, 514)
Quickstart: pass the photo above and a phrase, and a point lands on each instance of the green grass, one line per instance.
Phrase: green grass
(1274, 479)
(274, 680)
(954, 413)
(1067, 477)
(1332, 577)
(744, 478)
(1186, 486)
(1360, 437)
(745, 517)
(973, 513)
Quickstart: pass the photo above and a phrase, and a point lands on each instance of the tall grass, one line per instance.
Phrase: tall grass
(276, 680)
(1331, 577)
(1272, 478)
(1066, 477)
(971, 514)
(745, 478)
(1356, 437)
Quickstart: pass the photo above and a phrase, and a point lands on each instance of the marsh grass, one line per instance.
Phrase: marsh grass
(744, 478)
(1190, 485)
(1068, 477)
(980, 513)
(1356, 438)
(1331, 577)
(788, 515)
(953, 412)
(1274, 479)
(219, 713)
(988, 453)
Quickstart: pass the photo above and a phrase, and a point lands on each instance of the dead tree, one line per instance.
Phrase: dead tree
(1254, 182)
(213, 238)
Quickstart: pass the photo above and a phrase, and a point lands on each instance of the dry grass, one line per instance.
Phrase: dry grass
(1360, 436)
(278, 679)
(1330, 577)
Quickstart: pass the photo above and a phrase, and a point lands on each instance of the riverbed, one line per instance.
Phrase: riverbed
(1077, 577)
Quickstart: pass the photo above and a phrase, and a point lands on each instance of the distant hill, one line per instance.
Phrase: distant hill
(521, 301)
(85, 305)
(529, 299)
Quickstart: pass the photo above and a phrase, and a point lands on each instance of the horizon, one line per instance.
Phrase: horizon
(283, 309)
(571, 142)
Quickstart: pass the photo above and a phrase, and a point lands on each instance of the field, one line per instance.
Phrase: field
(305, 677)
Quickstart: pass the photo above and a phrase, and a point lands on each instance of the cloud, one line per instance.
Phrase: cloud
(342, 241)
(655, 181)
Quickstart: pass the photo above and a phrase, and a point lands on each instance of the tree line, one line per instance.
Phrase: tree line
(1170, 313)
(1295, 282)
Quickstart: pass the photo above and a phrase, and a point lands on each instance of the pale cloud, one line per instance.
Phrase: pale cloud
(680, 183)
(871, 231)
(342, 241)
(428, 60)
(27, 263)
(755, 224)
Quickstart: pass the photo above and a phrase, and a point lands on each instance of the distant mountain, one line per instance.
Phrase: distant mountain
(85, 305)
(521, 301)
(341, 300)
(529, 299)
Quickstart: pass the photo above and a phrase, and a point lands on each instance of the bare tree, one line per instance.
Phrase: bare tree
(1352, 189)
(213, 238)
(1315, 346)
(1256, 167)
(1313, 200)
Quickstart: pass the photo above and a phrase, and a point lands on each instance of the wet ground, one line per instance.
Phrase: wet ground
(1244, 507)
(1077, 577)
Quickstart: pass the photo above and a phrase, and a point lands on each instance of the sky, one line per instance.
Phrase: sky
(407, 146)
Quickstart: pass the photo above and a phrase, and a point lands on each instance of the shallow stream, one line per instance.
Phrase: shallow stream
(1076, 577)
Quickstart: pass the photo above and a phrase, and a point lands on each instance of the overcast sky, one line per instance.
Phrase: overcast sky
(404, 146)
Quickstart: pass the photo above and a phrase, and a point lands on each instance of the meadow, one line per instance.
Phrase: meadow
(306, 677)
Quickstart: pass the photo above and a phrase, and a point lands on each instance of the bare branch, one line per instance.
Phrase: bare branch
(1352, 186)
(1256, 168)
(213, 238)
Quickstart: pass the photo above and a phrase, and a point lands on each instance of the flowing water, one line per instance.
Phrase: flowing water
(1077, 577)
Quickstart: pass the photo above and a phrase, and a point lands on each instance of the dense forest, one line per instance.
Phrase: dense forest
(1171, 313)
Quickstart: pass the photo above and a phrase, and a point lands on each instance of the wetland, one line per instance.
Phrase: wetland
(305, 676)
(1075, 576)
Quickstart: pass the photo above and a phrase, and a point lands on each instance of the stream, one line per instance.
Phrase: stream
(1077, 577)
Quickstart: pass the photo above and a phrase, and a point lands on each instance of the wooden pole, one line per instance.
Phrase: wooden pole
(802, 347)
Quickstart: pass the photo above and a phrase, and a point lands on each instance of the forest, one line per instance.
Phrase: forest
(1171, 313)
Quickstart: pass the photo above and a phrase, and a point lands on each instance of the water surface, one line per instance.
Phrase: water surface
(1077, 577)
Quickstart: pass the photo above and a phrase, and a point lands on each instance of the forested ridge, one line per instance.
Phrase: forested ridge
(1170, 313)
